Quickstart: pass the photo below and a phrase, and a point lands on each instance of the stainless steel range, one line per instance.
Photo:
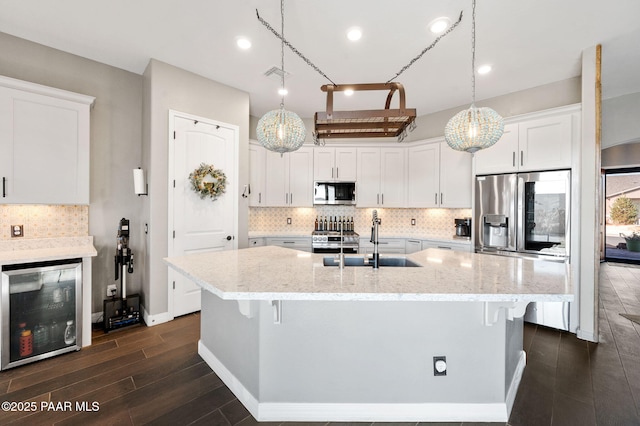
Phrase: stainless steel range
(329, 242)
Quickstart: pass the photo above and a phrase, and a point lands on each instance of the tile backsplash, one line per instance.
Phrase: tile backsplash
(434, 223)
(44, 221)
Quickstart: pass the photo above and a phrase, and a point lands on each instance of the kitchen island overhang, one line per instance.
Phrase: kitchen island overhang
(295, 342)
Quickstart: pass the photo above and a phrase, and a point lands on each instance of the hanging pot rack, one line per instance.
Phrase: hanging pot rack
(381, 123)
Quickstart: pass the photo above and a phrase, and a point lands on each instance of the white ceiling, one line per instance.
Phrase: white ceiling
(528, 43)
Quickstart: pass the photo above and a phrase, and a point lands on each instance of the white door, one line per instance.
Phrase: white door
(199, 225)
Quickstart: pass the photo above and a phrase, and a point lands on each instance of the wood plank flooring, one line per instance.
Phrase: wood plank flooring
(153, 375)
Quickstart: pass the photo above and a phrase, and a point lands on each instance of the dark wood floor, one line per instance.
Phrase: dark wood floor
(154, 375)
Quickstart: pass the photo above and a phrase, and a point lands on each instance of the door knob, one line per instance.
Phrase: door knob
(228, 237)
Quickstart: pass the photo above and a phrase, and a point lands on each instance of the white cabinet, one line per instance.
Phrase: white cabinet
(543, 143)
(381, 177)
(385, 246)
(257, 158)
(412, 246)
(296, 243)
(446, 245)
(44, 144)
(334, 164)
(257, 242)
(438, 176)
(289, 178)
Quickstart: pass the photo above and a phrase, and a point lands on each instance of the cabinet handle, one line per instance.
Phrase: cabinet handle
(522, 158)
(4, 187)
(332, 173)
(291, 198)
(382, 198)
(288, 242)
(337, 173)
(286, 198)
(441, 198)
(377, 198)
(514, 158)
(444, 247)
(436, 201)
(259, 197)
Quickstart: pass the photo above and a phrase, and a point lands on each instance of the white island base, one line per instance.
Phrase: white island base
(365, 360)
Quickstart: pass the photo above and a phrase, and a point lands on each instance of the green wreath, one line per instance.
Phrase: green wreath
(207, 181)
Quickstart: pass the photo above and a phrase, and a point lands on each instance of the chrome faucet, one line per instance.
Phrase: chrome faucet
(374, 238)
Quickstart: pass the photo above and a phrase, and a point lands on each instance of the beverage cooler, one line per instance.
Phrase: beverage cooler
(41, 311)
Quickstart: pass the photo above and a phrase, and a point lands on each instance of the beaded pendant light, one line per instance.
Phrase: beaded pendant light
(475, 128)
(280, 130)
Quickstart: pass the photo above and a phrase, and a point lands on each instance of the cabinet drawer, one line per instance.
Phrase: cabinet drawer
(296, 243)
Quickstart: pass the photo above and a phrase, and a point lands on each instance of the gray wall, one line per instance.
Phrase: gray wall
(620, 123)
(167, 87)
(116, 135)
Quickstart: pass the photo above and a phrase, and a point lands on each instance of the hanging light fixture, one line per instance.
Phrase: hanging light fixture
(475, 128)
(280, 130)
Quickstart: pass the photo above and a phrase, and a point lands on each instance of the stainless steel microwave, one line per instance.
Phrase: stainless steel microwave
(334, 193)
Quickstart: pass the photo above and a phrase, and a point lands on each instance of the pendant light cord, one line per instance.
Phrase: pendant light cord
(282, 51)
(473, 53)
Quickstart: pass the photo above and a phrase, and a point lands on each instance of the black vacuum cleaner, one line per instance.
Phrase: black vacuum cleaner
(122, 311)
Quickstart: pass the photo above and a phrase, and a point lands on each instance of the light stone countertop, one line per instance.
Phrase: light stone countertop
(276, 273)
(43, 249)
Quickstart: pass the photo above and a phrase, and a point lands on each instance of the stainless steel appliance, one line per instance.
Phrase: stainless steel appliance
(329, 242)
(527, 214)
(463, 227)
(41, 311)
(334, 193)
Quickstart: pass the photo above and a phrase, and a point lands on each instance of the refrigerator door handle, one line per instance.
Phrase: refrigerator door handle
(520, 214)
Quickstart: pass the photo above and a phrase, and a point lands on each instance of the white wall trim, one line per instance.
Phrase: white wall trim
(40, 89)
(515, 382)
(589, 336)
(151, 320)
(426, 412)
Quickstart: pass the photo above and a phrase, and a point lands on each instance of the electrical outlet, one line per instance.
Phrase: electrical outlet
(17, 231)
(439, 365)
(288, 221)
(413, 222)
(111, 290)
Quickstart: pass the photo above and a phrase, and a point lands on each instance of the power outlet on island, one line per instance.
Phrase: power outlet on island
(439, 365)
(112, 290)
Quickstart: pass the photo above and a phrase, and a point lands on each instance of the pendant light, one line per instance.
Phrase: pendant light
(475, 128)
(280, 130)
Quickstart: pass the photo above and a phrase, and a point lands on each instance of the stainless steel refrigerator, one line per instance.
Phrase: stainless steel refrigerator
(528, 215)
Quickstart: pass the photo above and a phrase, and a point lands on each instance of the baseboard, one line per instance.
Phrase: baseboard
(515, 382)
(589, 336)
(151, 320)
(238, 389)
(341, 412)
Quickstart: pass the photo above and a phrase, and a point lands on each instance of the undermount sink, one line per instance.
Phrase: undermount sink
(402, 262)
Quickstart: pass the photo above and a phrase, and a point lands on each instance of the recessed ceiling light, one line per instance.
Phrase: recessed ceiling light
(282, 91)
(354, 34)
(484, 69)
(243, 43)
(348, 92)
(438, 25)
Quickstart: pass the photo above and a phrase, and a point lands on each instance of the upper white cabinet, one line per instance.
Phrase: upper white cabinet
(337, 164)
(44, 144)
(289, 178)
(257, 158)
(543, 143)
(438, 176)
(381, 177)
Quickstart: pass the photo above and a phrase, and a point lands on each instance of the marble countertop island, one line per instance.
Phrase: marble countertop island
(275, 273)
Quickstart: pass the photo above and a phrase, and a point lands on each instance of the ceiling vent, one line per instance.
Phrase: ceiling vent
(276, 73)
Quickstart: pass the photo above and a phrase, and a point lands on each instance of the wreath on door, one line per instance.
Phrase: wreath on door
(207, 181)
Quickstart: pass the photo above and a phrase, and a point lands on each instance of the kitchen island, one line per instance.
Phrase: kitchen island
(299, 341)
